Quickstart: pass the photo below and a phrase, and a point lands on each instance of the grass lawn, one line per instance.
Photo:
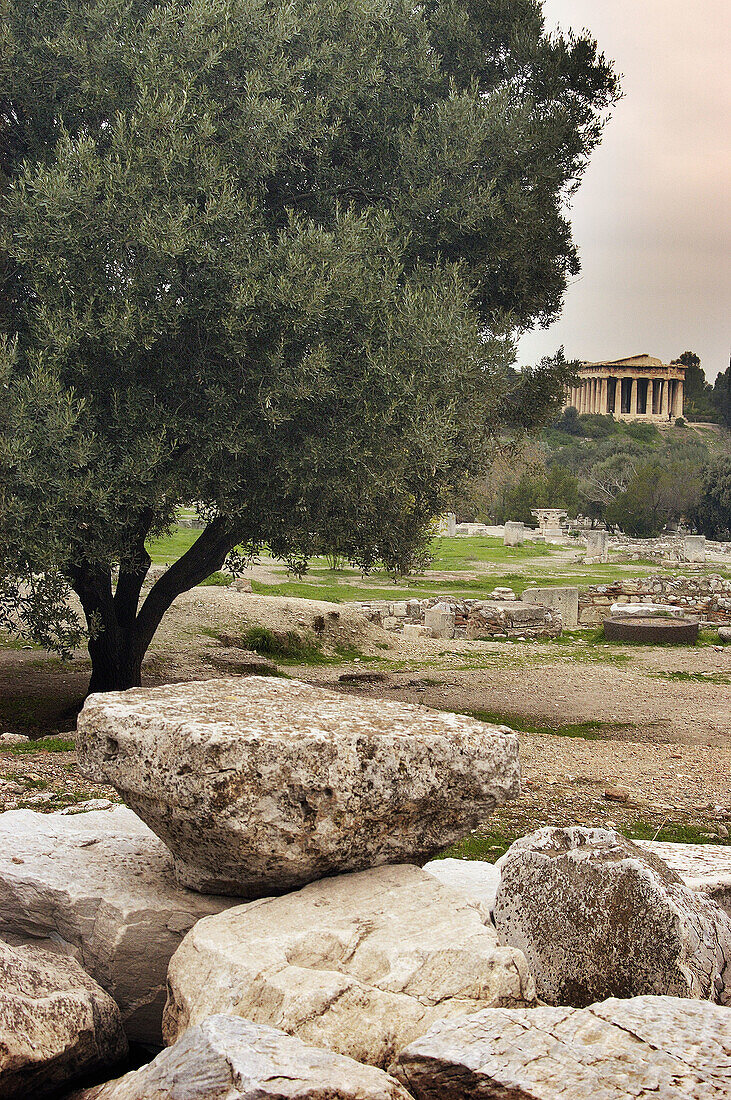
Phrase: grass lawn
(496, 565)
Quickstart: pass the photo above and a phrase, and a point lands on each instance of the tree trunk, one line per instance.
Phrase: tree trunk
(119, 633)
(116, 661)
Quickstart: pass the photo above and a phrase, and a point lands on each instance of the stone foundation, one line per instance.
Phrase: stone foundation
(668, 548)
(438, 617)
(708, 597)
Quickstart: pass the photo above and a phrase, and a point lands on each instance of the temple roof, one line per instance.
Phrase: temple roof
(632, 361)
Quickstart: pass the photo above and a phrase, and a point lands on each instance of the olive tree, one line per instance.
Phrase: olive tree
(266, 256)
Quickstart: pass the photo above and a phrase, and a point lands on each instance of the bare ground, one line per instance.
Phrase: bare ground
(664, 742)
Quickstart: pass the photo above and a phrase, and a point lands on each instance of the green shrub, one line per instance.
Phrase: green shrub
(218, 578)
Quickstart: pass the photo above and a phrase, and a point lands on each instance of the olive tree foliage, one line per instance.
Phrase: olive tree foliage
(267, 257)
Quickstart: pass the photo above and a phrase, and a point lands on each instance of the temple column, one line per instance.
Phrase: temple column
(604, 396)
(633, 398)
(679, 398)
(664, 391)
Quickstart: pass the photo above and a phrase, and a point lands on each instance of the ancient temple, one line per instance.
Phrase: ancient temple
(638, 388)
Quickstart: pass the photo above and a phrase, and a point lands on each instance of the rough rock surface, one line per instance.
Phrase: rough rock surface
(259, 785)
(598, 917)
(646, 1048)
(56, 1024)
(227, 1058)
(474, 878)
(360, 963)
(101, 885)
(702, 867)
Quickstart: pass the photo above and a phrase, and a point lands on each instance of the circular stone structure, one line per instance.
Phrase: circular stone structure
(652, 631)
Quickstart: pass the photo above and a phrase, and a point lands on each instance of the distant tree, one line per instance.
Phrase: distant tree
(697, 392)
(713, 513)
(267, 257)
(607, 480)
(569, 421)
(722, 397)
(658, 493)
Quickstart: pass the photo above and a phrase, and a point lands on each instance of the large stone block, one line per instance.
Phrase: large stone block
(596, 916)
(101, 886)
(440, 620)
(564, 600)
(645, 1048)
(259, 785)
(597, 547)
(227, 1058)
(56, 1024)
(360, 963)
(514, 533)
(694, 548)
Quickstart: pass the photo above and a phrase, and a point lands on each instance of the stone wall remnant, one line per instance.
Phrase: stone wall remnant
(500, 616)
(564, 600)
(707, 596)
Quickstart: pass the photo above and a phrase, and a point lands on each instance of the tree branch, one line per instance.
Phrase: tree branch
(205, 556)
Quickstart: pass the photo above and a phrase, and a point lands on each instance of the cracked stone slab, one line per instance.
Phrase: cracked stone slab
(643, 1048)
(227, 1058)
(259, 785)
(702, 867)
(101, 887)
(56, 1024)
(360, 963)
(597, 917)
(475, 878)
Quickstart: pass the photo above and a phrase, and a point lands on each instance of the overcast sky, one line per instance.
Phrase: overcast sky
(652, 218)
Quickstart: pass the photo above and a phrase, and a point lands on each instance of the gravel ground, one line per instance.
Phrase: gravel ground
(658, 750)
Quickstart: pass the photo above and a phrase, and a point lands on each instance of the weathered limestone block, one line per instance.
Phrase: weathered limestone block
(514, 533)
(440, 620)
(416, 630)
(260, 785)
(101, 885)
(597, 917)
(694, 548)
(702, 867)
(597, 547)
(227, 1058)
(645, 1048)
(565, 600)
(56, 1023)
(475, 879)
(360, 963)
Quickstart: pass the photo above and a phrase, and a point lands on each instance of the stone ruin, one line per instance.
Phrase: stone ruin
(503, 615)
(330, 965)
